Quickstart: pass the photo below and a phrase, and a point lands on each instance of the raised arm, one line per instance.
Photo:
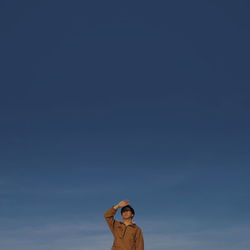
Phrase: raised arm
(110, 213)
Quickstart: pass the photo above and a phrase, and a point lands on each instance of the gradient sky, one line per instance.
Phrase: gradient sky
(102, 101)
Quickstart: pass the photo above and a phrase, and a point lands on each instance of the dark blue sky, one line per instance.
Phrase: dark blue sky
(103, 101)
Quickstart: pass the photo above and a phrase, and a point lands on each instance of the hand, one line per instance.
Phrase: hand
(121, 204)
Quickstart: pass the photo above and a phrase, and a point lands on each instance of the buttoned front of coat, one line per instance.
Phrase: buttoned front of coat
(125, 237)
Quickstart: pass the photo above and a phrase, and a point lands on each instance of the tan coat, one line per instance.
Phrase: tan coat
(125, 237)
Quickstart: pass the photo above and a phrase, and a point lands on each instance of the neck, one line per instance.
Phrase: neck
(127, 221)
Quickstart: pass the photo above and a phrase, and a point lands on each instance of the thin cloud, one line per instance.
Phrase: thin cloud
(95, 235)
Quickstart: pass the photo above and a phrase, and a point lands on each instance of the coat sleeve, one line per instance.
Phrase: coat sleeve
(109, 217)
(139, 240)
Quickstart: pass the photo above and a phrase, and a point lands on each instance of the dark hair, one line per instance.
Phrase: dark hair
(128, 208)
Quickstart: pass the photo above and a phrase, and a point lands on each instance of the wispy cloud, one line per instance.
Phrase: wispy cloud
(95, 235)
(63, 236)
(228, 238)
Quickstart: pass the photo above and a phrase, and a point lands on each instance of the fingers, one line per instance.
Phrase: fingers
(124, 203)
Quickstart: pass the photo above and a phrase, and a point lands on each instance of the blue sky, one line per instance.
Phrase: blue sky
(105, 101)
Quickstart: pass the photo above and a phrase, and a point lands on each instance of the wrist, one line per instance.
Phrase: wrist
(116, 207)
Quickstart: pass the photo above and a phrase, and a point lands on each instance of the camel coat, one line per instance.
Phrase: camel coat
(125, 237)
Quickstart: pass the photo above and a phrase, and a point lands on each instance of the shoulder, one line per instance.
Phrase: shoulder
(137, 228)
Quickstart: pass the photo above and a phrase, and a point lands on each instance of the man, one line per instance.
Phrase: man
(127, 235)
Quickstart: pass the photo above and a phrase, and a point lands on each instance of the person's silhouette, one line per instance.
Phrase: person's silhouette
(127, 235)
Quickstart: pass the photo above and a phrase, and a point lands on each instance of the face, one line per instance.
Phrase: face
(127, 215)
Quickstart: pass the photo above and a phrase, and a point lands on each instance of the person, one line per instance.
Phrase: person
(127, 235)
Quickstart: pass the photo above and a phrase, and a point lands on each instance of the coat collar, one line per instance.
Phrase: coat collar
(133, 224)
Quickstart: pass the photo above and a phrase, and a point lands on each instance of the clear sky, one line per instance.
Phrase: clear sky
(102, 101)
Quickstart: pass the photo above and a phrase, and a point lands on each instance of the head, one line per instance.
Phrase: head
(127, 212)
